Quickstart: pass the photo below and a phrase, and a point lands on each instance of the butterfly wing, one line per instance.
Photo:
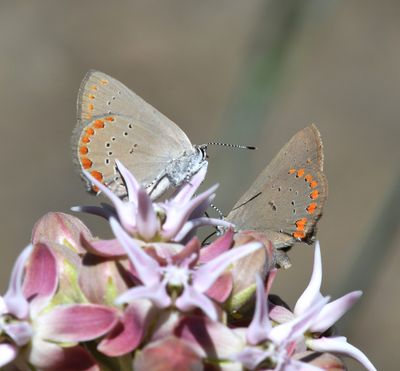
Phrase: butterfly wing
(114, 122)
(286, 199)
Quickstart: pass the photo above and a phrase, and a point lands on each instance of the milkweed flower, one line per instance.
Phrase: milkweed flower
(154, 296)
(162, 221)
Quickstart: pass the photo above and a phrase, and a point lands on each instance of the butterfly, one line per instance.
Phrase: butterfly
(115, 123)
(285, 201)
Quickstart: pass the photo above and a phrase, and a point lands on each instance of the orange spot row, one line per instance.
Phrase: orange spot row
(86, 163)
(300, 173)
(83, 150)
(110, 119)
(91, 96)
(311, 207)
(314, 194)
(104, 82)
(98, 124)
(94, 87)
(308, 178)
(300, 228)
(313, 184)
(97, 175)
(292, 171)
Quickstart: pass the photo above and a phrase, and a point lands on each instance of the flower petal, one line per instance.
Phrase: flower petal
(132, 185)
(312, 292)
(106, 248)
(157, 294)
(41, 278)
(21, 332)
(61, 228)
(210, 339)
(146, 223)
(221, 288)
(325, 361)
(126, 210)
(188, 190)
(331, 312)
(76, 322)
(192, 224)
(146, 267)
(129, 332)
(207, 274)
(191, 298)
(280, 314)
(217, 247)
(169, 354)
(101, 280)
(8, 353)
(294, 329)
(177, 215)
(250, 357)
(14, 298)
(51, 357)
(260, 325)
(340, 345)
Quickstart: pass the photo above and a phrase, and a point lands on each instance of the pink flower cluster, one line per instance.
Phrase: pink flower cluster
(153, 298)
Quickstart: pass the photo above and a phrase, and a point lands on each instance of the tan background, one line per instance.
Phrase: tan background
(251, 72)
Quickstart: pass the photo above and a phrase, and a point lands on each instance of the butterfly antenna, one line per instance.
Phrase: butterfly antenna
(221, 216)
(230, 145)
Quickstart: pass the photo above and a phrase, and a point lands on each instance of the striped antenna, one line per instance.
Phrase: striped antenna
(230, 145)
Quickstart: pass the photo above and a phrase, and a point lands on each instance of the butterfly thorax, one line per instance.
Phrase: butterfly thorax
(181, 169)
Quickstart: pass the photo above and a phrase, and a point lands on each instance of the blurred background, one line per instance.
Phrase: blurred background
(250, 72)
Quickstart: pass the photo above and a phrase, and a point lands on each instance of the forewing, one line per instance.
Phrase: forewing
(286, 199)
(114, 122)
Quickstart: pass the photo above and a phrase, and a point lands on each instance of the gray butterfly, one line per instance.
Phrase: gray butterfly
(286, 200)
(115, 123)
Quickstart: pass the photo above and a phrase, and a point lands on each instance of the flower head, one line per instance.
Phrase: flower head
(179, 282)
(162, 221)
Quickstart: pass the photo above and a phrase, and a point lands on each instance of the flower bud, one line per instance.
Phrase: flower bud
(244, 271)
(62, 229)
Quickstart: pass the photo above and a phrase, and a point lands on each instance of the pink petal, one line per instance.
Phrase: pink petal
(14, 298)
(294, 365)
(51, 357)
(170, 354)
(8, 353)
(280, 314)
(41, 278)
(157, 294)
(311, 293)
(106, 248)
(76, 322)
(19, 331)
(131, 183)
(221, 288)
(324, 361)
(331, 312)
(188, 228)
(146, 267)
(147, 223)
(217, 247)
(126, 210)
(177, 216)
(129, 332)
(60, 228)
(260, 325)
(187, 191)
(191, 298)
(291, 331)
(101, 280)
(209, 338)
(207, 274)
(192, 247)
(340, 345)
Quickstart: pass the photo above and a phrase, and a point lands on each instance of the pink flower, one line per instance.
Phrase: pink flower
(180, 282)
(25, 321)
(329, 314)
(162, 221)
